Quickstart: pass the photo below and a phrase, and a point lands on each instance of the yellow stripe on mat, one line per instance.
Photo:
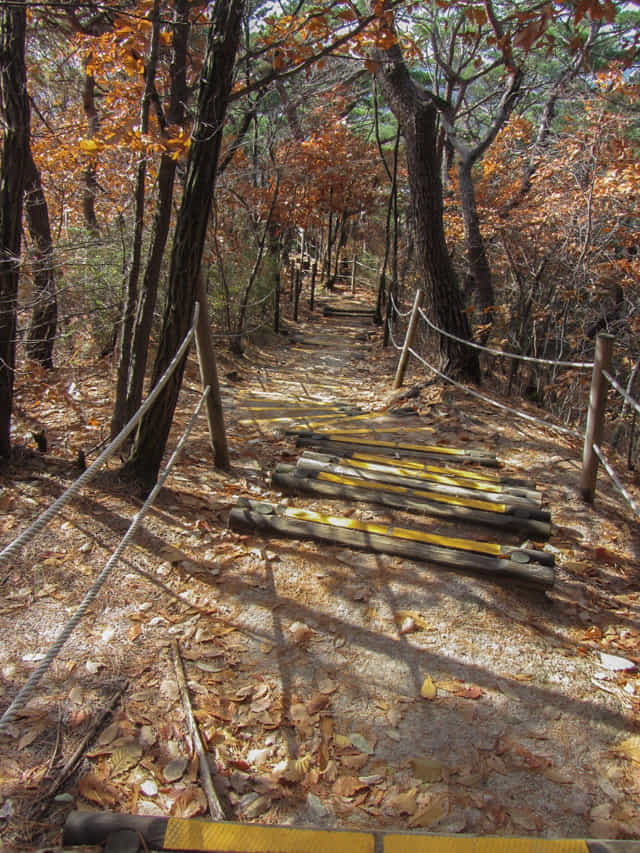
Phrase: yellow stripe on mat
(397, 445)
(398, 471)
(226, 837)
(456, 844)
(470, 503)
(412, 465)
(491, 548)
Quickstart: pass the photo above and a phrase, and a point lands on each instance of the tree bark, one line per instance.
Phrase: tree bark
(14, 130)
(162, 216)
(189, 237)
(44, 316)
(479, 271)
(121, 412)
(417, 116)
(90, 184)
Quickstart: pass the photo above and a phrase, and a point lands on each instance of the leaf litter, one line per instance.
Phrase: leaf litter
(330, 686)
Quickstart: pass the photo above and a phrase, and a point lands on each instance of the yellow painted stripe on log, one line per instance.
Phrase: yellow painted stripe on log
(491, 548)
(422, 475)
(420, 466)
(375, 428)
(457, 844)
(470, 503)
(203, 835)
(397, 445)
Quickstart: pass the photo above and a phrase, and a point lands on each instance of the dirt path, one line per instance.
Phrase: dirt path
(303, 678)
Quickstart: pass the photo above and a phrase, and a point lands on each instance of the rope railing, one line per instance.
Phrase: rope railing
(580, 365)
(29, 687)
(616, 481)
(592, 453)
(396, 308)
(44, 518)
(479, 396)
(627, 397)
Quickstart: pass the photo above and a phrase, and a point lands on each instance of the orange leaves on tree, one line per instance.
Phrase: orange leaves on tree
(597, 11)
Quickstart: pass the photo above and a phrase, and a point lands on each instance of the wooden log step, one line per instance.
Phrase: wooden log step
(463, 554)
(416, 465)
(336, 311)
(291, 479)
(328, 443)
(449, 483)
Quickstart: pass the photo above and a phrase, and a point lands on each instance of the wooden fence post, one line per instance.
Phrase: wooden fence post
(353, 278)
(312, 295)
(595, 416)
(209, 376)
(408, 340)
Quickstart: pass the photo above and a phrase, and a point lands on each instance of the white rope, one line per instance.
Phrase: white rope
(42, 520)
(367, 267)
(397, 310)
(616, 480)
(633, 403)
(29, 688)
(501, 406)
(483, 397)
(581, 365)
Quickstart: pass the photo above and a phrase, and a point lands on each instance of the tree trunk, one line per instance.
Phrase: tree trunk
(417, 117)
(189, 237)
(44, 316)
(14, 130)
(121, 412)
(90, 184)
(479, 271)
(162, 217)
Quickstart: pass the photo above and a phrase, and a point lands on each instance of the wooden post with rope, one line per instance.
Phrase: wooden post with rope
(595, 416)
(408, 340)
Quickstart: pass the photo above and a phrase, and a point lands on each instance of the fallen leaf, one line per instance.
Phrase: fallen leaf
(410, 620)
(174, 770)
(317, 702)
(95, 789)
(434, 812)
(134, 632)
(125, 757)
(524, 818)
(109, 734)
(354, 762)
(29, 737)
(360, 743)
(629, 748)
(404, 803)
(300, 632)
(426, 769)
(469, 692)
(428, 689)
(189, 803)
(347, 786)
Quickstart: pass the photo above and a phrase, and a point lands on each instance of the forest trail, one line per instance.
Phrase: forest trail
(339, 687)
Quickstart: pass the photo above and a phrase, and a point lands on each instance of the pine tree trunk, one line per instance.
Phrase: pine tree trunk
(90, 184)
(479, 272)
(14, 136)
(121, 411)
(189, 237)
(417, 117)
(162, 217)
(44, 316)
